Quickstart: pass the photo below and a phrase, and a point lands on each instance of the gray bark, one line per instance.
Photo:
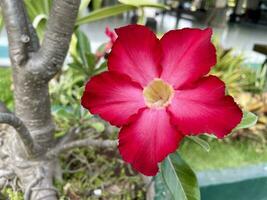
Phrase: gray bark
(29, 151)
(34, 65)
(24, 134)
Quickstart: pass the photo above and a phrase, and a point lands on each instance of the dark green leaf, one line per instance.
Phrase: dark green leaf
(179, 178)
(83, 48)
(77, 67)
(83, 43)
(91, 61)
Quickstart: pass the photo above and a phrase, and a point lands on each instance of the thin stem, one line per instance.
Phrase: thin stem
(83, 143)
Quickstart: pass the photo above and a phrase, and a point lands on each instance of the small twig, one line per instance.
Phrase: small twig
(69, 135)
(25, 136)
(82, 143)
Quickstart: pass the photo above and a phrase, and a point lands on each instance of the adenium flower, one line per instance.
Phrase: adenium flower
(112, 38)
(158, 91)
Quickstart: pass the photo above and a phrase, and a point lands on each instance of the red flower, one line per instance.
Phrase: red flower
(158, 92)
(112, 38)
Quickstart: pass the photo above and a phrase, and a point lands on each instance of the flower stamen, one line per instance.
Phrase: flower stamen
(158, 94)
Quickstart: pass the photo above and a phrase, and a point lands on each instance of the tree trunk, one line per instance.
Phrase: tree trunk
(24, 149)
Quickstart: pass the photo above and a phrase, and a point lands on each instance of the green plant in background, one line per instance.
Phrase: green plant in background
(232, 70)
(9, 194)
(238, 77)
(66, 89)
(259, 80)
(83, 59)
(1, 22)
(6, 87)
(38, 11)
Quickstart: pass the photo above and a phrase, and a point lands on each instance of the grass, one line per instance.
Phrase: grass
(223, 154)
(5, 87)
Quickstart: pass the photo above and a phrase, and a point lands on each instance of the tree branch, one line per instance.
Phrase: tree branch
(69, 135)
(150, 190)
(25, 136)
(83, 143)
(20, 37)
(56, 39)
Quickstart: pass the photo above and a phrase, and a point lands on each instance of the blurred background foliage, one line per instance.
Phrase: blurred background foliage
(88, 171)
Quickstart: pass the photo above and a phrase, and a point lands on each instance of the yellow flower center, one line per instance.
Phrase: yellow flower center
(158, 94)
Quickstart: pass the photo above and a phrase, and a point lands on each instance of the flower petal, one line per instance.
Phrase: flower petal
(204, 108)
(136, 52)
(188, 54)
(113, 96)
(148, 139)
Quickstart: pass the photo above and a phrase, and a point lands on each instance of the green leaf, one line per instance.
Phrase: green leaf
(104, 13)
(179, 178)
(142, 17)
(1, 23)
(83, 5)
(98, 126)
(83, 47)
(82, 42)
(101, 48)
(249, 119)
(97, 4)
(73, 46)
(32, 10)
(46, 5)
(91, 61)
(101, 68)
(161, 190)
(38, 19)
(205, 145)
(39, 23)
(143, 3)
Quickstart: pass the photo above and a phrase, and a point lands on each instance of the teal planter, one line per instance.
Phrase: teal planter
(4, 57)
(246, 183)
